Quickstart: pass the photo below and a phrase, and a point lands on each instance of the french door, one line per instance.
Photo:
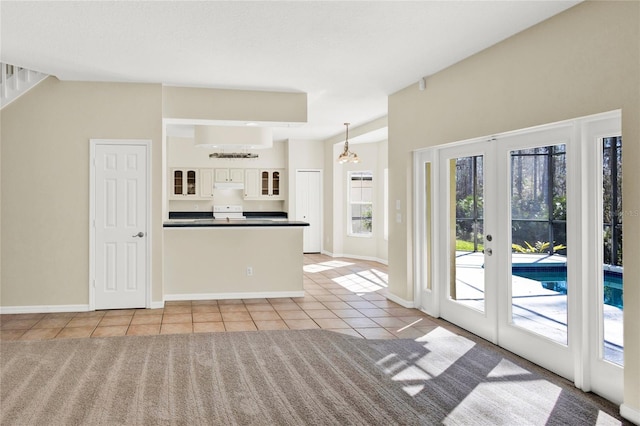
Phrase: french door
(507, 242)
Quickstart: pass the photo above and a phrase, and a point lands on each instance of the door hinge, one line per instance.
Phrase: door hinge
(94, 283)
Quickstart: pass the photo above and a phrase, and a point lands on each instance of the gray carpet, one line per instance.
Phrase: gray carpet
(305, 377)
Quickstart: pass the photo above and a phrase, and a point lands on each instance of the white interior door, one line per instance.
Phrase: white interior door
(120, 229)
(308, 193)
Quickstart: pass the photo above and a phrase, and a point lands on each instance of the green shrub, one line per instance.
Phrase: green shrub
(539, 247)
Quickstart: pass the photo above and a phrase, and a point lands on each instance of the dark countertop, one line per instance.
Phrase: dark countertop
(198, 223)
(205, 219)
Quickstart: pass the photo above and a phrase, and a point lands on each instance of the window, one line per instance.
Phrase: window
(360, 203)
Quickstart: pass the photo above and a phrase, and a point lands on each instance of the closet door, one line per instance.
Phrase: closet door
(308, 205)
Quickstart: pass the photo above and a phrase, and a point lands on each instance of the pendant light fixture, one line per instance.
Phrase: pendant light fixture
(348, 156)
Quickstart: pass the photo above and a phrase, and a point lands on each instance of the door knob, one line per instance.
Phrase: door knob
(488, 252)
(139, 234)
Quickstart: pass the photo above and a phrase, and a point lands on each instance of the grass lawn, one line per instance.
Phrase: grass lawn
(467, 246)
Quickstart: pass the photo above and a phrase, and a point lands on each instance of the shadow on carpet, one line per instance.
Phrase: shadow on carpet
(283, 378)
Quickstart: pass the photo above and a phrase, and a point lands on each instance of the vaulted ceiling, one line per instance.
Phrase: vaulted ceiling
(347, 56)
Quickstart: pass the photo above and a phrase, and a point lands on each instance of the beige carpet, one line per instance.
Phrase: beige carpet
(282, 378)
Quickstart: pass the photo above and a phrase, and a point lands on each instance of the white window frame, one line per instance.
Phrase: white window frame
(351, 203)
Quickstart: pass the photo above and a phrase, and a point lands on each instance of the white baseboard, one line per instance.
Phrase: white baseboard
(400, 301)
(221, 296)
(631, 414)
(355, 256)
(157, 305)
(42, 309)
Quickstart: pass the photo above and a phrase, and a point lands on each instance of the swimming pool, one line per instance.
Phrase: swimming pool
(554, 277)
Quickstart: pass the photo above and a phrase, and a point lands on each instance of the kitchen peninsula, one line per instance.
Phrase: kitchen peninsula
(233, 259)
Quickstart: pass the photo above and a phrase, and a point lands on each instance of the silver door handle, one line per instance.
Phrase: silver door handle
(139, 234)
(488, 252)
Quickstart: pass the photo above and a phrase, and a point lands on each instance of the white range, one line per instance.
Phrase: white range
(228, 212)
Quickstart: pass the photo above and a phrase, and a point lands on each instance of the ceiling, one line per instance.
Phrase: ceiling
(347, 56)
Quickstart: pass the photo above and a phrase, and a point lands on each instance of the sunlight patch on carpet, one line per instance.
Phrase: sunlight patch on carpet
(534, 402)
(606, 419)
(506, 368)
(413, 390)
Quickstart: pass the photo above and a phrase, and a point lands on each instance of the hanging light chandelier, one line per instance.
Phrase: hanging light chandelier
(348, 156)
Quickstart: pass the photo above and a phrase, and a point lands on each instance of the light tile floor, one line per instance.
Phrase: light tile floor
(342, 295)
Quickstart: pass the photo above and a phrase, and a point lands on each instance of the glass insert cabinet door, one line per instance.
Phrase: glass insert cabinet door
(184, 182)
(177, 182)
(264, 181)
(275, 183)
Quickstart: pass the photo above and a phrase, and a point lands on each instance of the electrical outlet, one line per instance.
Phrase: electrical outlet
(249, 271)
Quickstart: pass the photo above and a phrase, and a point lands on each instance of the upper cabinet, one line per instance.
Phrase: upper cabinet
(264, 184)
(206, 183)
(251, 184)
(191, 183)
(184, 183)
(270, 183)
(229, 175)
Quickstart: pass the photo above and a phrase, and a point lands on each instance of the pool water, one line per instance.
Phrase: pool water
(555, 278)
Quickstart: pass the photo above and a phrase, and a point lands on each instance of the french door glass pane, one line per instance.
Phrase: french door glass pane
(612, 215)
(539, 237)
(467, 281)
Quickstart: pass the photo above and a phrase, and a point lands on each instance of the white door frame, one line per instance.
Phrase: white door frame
(425, 298)
(590, 372)
(92, 214)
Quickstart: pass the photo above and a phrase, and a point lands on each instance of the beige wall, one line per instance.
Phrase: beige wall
(374, 157)
(583, 61)
(212, 262)
(327, 198)
(301, 154)
(45, 184)
(220, 104)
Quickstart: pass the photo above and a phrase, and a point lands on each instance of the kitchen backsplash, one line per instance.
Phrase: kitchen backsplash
(207, 205)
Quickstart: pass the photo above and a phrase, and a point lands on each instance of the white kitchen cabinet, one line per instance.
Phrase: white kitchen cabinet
(229, 175)
(206, 183)
(184, 183)
(271, 181)
(264, 184)
(251, 184)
